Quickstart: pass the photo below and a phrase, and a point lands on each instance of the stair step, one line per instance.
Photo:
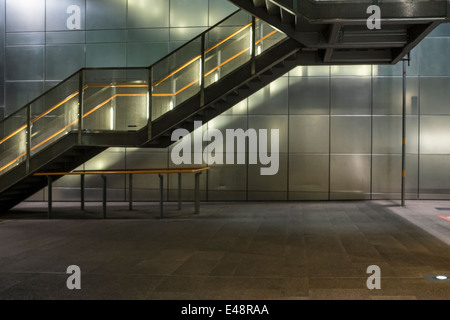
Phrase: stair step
(259, 3)
(287, 17)
(273, 9)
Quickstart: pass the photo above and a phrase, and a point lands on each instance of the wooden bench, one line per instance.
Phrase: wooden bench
(130, 173)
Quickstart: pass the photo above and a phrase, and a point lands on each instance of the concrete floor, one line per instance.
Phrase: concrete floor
(277, 251)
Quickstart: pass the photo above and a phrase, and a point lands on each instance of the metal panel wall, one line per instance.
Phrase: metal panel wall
(340, 126)
(2, 57)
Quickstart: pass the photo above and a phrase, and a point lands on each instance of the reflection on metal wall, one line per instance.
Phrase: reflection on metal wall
(340, 126)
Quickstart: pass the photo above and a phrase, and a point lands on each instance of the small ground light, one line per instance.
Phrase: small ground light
(441, 277)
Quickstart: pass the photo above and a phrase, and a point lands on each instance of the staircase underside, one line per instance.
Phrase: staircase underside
(347, 39)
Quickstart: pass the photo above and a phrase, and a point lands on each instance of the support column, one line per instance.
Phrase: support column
(403, 134)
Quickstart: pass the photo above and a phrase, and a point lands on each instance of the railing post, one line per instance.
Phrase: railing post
(202, 71)
(149, 103)
(253, 44)
(28, 142)
(80, 106)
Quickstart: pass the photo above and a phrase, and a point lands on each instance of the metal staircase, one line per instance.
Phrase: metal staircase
(338, 32)
(95, 109)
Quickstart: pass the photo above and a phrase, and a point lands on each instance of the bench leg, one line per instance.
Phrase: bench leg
(50, 182)
(161, 196)
(104, 196)
(197, 192)
(179, 191)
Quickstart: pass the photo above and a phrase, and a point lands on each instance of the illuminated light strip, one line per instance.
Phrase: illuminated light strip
(176, 71)
(226, 61)
(198, 57)
(229, 37)
(71, 124)
(266, 36)
(7, 165)
(445, 217)
(116, 85)
(54, 107)
(13, 134)
(39, 117)
(132, 171)
(176, 93)
(113, 97)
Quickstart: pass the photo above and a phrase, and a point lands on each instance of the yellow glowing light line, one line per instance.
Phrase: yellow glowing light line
(199, 56)
(131, 171)
(265, 37)
(229, 37)
(225, 62)
(176, 71)
(54, 107)
(69, 125)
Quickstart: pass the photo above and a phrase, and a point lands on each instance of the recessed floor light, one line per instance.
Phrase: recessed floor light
(437, 277)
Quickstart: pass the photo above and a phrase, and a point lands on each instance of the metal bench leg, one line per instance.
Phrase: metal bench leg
(82, 191)
(161, 196)
(197, 192)
(130, 190)
(179, 191)
(104, 196)
(50, 182)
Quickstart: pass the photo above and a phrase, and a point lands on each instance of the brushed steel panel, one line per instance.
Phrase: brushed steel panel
(25, 15)
(308, 174)
(309, 95)
(434, 135)
(388, 95)
(275, 183)
(188, 13)
(350, 134)
(434, 176)
(25, 62)
(272, 99)
(148, 14)
(350, 177)
(309, 134)
(434, 57)
(434, 95)
(106, 14)
(387, 134)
